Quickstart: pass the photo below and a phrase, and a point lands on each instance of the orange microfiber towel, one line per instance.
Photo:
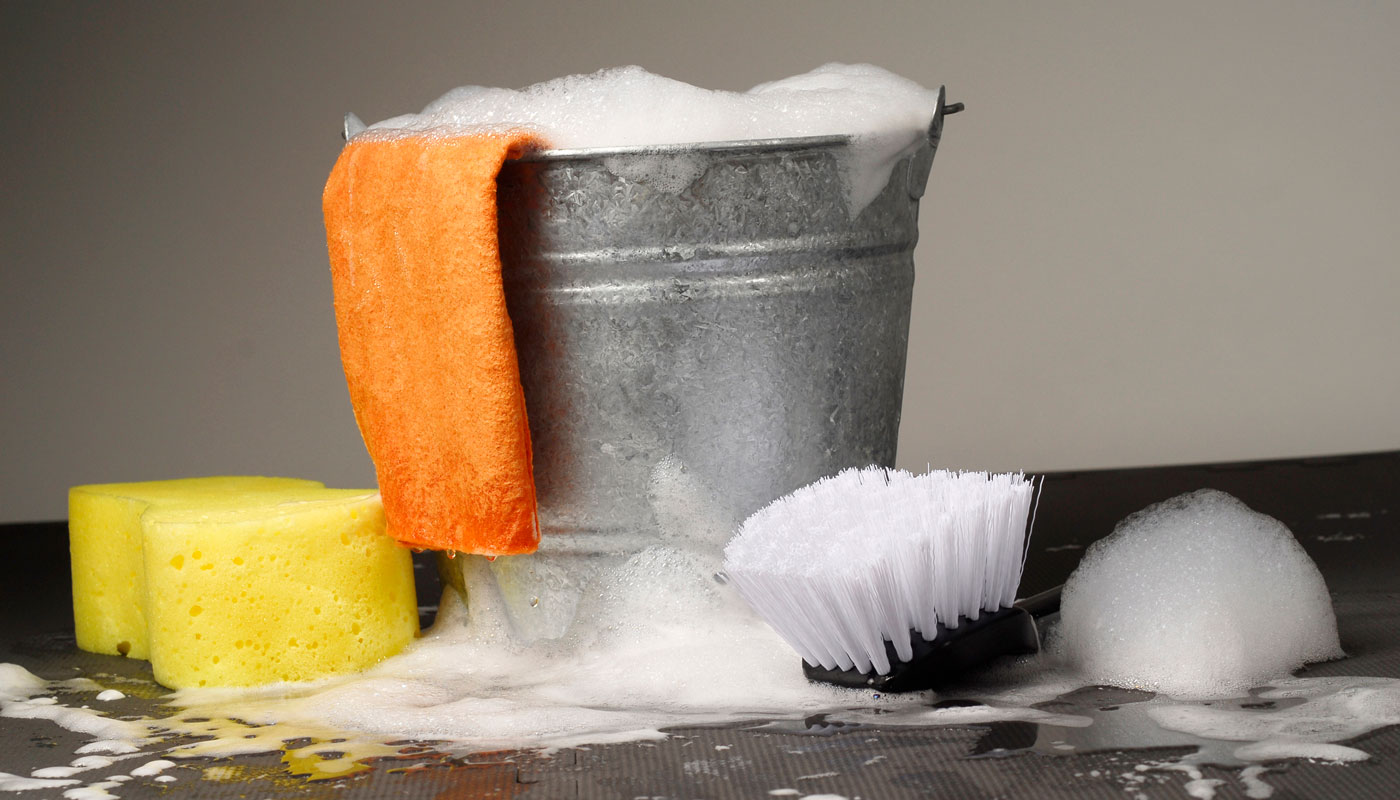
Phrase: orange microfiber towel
(426, 341)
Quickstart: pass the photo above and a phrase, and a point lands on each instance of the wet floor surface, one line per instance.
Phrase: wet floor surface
(1342, 510)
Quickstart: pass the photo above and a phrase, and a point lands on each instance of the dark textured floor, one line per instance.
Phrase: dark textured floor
(1344, 511)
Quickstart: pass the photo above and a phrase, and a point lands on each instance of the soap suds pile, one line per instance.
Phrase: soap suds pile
(1198, 596)
(884, 115)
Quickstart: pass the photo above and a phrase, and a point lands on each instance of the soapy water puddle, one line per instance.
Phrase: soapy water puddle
(1026, 709)
(690, 657)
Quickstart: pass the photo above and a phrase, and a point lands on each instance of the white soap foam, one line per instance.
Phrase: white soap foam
(93, 791)
(114, 746)
(152, 768)
(1254, 786)
(966, 715)
(1278, 750)
(74, 719)
(56, 772)
(885, 116)
(18, 683)
(1332, 710)
(82, 764)
(1198, 596)
(20, 783)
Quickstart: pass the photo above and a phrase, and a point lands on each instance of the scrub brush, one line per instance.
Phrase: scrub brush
(884, 579)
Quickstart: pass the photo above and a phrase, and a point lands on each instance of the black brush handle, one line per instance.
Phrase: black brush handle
(1043, 604)
(946, 657)
(952, 653)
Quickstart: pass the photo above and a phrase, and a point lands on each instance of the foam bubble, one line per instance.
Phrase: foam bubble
(18, 683)
(113, 746)
(93, 791)
(19, 783)
(152, 768)
(1198, 596)
(73, 719)
(883, 114)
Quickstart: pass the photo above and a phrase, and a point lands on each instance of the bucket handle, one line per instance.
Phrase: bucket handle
(942, 109)
(352, 126)
(922, 161)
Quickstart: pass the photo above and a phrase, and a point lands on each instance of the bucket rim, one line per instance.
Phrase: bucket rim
(354, 126)
(685, 148)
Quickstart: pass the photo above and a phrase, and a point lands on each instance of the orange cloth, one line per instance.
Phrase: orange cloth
(426, 341)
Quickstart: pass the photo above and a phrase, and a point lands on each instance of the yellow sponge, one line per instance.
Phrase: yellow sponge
(104, 540)
(293, 586)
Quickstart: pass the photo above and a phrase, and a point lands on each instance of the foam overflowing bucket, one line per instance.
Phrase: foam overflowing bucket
(718, 320)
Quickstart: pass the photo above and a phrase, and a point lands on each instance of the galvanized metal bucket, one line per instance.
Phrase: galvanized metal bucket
(739, 318)
(715, 317)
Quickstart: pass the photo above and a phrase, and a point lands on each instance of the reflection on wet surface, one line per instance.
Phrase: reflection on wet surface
(1120, 723)
(814, 725)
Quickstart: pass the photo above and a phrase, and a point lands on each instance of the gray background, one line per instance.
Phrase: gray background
(1160, 234)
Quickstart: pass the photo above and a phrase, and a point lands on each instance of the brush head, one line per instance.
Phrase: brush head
(855, 569)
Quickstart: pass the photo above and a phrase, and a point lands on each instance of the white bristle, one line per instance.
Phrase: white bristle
(845, 564)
